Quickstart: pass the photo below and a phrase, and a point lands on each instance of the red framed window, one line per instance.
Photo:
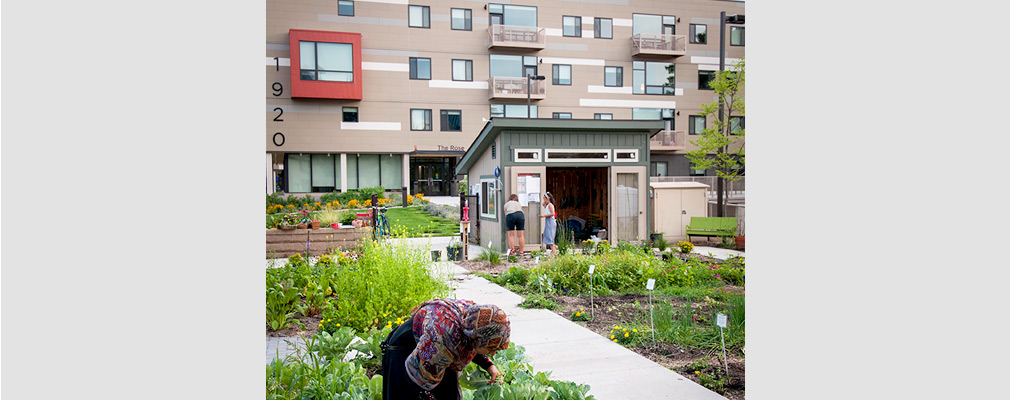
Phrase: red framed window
(325, 65)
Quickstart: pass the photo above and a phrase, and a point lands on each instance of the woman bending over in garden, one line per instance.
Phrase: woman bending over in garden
(422, 358)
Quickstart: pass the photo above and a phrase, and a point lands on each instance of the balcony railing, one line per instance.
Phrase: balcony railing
(658, 44)
(515, 88)
(668, 141)
(527, 37)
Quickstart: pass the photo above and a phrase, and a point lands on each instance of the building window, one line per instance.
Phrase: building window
(345, 7)
(321, 61)
(452, 120)
(418, 16)
(652, 78)
(526, 155)
(462, 70)
(461, 19)
(312, 172)
(657, 168)
(653, 24)
(562, 115)
(613, 76)
(705, 78)
(350, 114)
(507, 14)
(512, 66)
(420, 68)
(696, 125)
(573, 155)
(513, 110)
(603, 116)
(603, 28)
(652, 113)
(420, 120)
(736, 124)
(487, 200)
(695, 171)
(699, 33)
(736, 36)
(629, 155)
(562, 74)
(571, 26)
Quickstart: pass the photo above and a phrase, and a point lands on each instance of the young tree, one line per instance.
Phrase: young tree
(713, 146)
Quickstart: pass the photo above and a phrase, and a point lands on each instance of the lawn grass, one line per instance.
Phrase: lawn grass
(414, 222)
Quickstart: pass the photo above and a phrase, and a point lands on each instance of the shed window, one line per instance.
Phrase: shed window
(563, 155)
(630, 155)
(487, 198)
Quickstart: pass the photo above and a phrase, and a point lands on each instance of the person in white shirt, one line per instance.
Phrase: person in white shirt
(515, 224)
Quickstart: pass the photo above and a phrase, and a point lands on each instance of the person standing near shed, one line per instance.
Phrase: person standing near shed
(515, 224)
(423, 357)
(550, 223)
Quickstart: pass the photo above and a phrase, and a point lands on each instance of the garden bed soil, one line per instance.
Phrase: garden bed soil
(294, 330)
(620, 309)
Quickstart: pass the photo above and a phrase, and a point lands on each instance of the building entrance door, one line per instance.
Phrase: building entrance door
(433, 177)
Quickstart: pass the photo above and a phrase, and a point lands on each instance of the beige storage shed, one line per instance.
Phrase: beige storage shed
(674, 203)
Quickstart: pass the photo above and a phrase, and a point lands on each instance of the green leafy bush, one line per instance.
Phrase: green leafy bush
(538, 301)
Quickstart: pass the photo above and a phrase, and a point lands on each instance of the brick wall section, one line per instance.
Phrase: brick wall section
(283, 244)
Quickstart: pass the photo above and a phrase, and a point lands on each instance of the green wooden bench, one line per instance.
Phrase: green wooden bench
(711, 226)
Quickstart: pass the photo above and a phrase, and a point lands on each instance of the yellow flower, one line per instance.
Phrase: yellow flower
(329, 320)
(611, 336)
(635, 330)
(696, 372)
(338, 325)
(615, 340)
(625, 335)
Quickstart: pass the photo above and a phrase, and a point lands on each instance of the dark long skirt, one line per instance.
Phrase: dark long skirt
(396, 385)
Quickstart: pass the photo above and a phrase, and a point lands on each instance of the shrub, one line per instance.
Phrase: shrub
(580, 315)
(661, 244)
(514, 276)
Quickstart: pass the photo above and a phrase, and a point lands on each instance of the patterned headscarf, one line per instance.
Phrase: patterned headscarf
(487, 326)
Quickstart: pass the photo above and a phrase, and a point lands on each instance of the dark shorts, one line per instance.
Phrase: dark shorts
(515, 221)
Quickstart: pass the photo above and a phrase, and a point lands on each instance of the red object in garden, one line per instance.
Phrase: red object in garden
(335, 225)
(466, 211)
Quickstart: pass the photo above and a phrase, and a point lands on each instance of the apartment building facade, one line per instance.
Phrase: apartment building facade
(391, 93)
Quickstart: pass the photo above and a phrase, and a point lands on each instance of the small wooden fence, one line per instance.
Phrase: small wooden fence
(283, 244)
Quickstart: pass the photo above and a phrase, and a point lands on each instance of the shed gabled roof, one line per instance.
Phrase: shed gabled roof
(495, 125)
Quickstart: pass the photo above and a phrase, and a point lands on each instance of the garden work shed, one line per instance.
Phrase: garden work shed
(597, 171)
(680, 201)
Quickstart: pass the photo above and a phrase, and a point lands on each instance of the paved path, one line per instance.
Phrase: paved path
(556, 344)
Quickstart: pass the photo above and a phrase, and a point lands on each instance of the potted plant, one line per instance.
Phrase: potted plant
(315, 222)
(288, 222)
(303, 223)
(739, 241)
(454, 251)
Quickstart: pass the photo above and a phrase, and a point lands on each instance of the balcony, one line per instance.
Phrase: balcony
(668, 141)
(513, 36)
(655, 44)
(515, 88)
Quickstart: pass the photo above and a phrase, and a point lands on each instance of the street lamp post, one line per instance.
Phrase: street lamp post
(529, 85)
(723, 19)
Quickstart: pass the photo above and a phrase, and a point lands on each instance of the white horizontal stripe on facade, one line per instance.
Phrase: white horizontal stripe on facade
(610, 89)
(384, 52)
(370, 126)
(553, 32)
(404, 2)
(304, 109)
(362, 20)
(626, 103)
(380, 66)
(623, 22)
(572, 61)
(285, 62)
(708, 67)
(458, 84)
(712, 60)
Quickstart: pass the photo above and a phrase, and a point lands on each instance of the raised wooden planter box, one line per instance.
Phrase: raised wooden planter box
(283, 244)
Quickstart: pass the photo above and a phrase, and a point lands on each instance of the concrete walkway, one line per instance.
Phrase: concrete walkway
(572, 352)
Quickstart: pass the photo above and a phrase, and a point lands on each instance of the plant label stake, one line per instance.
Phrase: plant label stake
(651, 284)
(592, 308)
(720, 319)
